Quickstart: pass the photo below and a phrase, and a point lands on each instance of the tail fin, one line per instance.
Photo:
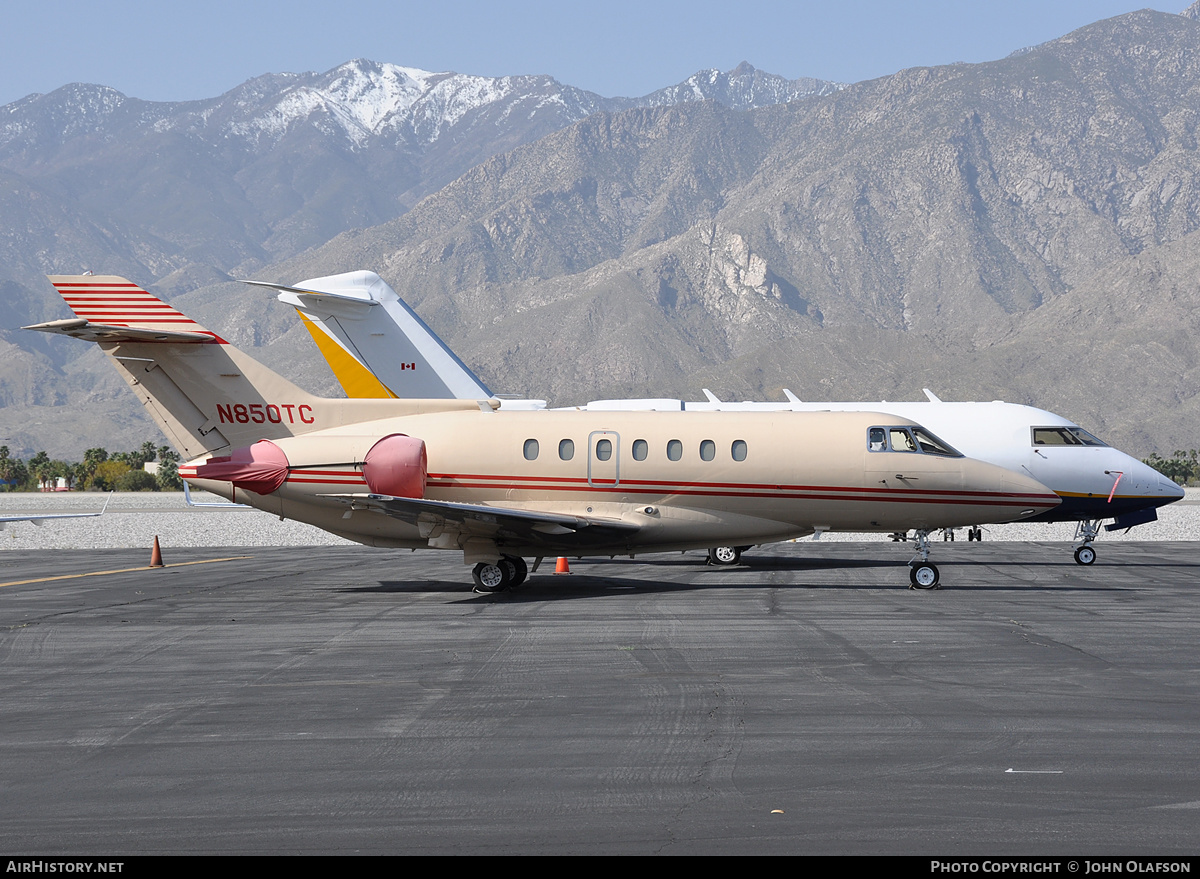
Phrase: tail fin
(204, 393)
(375, 344)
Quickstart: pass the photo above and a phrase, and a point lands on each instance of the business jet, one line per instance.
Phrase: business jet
(501, 486)
(357, 320)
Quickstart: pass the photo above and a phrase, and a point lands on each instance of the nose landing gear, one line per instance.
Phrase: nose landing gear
(1086, 532)
(923, 574)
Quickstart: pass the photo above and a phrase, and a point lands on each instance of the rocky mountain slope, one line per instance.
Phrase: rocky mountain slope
(924, 229)
(286, 161)
(1019, 229)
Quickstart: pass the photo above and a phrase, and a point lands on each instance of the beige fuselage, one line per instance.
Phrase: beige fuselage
(675, 476)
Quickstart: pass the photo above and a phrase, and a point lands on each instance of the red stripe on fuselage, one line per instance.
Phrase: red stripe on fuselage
(459, 480)
(815, 493)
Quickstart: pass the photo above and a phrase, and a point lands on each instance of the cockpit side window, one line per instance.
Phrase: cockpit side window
(1064, 436)
(908, 439)
(902, 440)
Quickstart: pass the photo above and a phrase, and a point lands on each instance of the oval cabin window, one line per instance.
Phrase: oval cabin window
(708, 450)
(531, 449)
(674, 450)
(603, 450)
(641, 448)
(566, 450)
(738, 450)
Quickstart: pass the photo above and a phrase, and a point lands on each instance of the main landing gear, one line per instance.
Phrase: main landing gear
(922, 574)
(508, 573)
(725, 555)
(1086, 531)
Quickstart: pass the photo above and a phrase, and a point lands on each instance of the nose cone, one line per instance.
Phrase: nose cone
(1170, 490)
(1161, 490)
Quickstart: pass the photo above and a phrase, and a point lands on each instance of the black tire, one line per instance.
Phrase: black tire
(516, 568)
(1085, 555)
(725, 555)
(923, 575)
(490, 577)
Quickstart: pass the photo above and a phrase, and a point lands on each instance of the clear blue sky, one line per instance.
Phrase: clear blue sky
(170, 51)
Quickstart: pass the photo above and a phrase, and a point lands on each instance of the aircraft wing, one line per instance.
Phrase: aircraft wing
(37, 519)
(500, 523)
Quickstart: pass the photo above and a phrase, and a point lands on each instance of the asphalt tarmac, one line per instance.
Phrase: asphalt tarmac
(347, 700)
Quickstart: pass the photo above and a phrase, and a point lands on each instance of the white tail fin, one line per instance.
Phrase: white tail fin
(375, 344)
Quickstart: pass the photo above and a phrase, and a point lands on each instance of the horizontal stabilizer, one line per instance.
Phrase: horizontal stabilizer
(109, 308)
(321, 294)
(78, 328)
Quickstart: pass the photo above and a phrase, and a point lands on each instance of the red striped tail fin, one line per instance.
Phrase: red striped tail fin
(110, 302)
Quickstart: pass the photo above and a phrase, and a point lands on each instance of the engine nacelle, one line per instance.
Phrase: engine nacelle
(260, 468)
(397, 465)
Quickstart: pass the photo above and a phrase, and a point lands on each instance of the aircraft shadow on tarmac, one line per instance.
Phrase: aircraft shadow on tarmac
(593, 582)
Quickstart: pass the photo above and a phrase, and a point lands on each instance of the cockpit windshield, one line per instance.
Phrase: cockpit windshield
(908, 439)
(931, 445)
(1064, 436)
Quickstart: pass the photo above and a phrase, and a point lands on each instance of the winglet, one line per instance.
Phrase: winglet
(933, 398)
(712, 398)
(792, 398)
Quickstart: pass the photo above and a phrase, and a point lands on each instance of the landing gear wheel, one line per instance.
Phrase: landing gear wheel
(724, 555)
(924, 576)
(975, 534)
(490, 577)
(516, 569)
(1085, 555)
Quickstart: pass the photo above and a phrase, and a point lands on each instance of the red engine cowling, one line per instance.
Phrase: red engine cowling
(397, 466)
(260, 468)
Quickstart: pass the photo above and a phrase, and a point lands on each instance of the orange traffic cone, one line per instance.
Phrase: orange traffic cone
(156, 555)
(562, 567)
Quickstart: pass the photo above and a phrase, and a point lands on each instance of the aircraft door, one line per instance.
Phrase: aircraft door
(604, 457)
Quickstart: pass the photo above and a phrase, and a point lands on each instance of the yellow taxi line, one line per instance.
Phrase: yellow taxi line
(121, 571)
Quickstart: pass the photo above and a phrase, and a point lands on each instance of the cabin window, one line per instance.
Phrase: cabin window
(674, 450)
(566, 449)
(531, 449)
(641, 448)
(708, 450)
(738, 450)
(603, 450)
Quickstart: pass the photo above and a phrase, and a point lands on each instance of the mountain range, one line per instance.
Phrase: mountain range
(1020, 229)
